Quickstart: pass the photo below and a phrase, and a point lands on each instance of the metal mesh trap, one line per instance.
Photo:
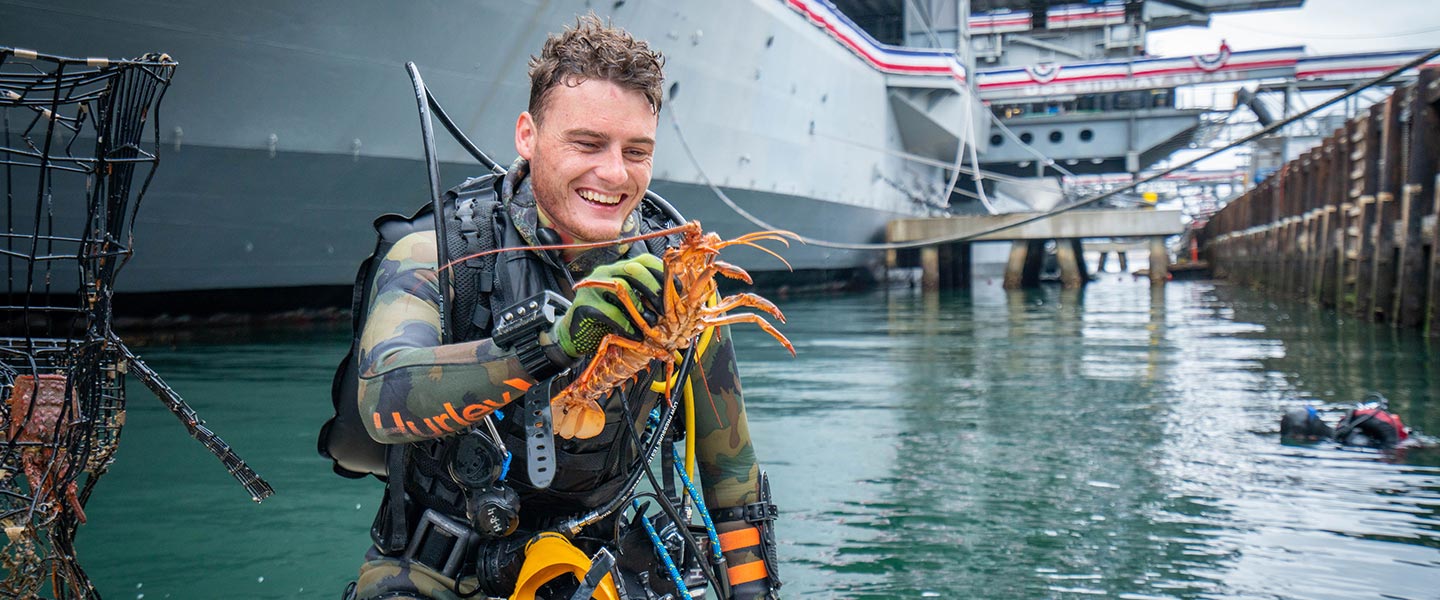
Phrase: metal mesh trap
(73, 138)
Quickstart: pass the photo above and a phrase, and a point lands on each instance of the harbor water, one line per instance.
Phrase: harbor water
(1118, 442)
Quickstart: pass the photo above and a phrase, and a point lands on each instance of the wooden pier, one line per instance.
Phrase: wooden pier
(1351, 224)
(948, 265)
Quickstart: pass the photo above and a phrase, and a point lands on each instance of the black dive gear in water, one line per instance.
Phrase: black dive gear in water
(1304, 424)
(1371, 424)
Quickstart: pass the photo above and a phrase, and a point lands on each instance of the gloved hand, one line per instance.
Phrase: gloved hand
(597, 311)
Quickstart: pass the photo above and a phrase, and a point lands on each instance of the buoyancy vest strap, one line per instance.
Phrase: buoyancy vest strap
(472, 231)
(539, 435)
(396, 532)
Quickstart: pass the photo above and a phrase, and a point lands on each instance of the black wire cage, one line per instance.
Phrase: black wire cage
(74, 146)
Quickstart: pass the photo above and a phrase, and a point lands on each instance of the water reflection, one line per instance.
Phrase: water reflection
(1115, 441)
(1043, 444)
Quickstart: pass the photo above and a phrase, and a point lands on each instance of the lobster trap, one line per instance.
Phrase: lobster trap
(78, 135)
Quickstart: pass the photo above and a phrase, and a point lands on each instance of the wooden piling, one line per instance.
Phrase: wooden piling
(1350, 224)
(1421, 169)
(1362, 179)
(1388, 183)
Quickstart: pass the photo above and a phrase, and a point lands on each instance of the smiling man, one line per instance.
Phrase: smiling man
(458, 517)
(593, 162)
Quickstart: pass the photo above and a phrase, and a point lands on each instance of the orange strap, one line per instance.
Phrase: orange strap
(740, 538)
(748, 572)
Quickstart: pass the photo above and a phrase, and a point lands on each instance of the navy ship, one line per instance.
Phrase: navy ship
(291, 126)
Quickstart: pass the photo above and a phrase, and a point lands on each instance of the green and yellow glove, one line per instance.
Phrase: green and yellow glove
(597, 311)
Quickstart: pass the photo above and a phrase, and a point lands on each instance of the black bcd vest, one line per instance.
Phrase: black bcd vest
(475, 222)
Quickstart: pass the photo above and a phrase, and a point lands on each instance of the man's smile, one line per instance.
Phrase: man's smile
(595, 197)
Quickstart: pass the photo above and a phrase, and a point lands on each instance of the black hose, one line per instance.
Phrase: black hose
(437, 200)
(573, 526)
(667, 506)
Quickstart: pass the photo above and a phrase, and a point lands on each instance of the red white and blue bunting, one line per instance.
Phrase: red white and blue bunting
(1052, 79)
(1144, 73)
(1354, 66)
(883, 57)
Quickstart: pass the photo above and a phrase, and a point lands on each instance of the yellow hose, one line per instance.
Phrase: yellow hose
(690, 427)
(663, 386)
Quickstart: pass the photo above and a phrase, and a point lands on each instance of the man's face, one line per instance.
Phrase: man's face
(590, 159)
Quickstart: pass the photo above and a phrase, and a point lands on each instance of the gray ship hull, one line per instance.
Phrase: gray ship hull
(292, 227)
(289, 128)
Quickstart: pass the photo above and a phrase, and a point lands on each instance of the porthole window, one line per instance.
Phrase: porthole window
(1056, 137)
(1027, 137)
(1086, 135)
(997, 139)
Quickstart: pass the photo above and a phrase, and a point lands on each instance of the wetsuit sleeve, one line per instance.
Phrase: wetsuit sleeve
(411, 387)
(722, 435)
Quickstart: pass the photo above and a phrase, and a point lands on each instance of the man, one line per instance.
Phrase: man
(586, 146)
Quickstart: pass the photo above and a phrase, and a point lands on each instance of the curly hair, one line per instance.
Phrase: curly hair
(593, 49)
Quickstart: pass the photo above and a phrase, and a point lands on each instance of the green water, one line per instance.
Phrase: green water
(1115, 444)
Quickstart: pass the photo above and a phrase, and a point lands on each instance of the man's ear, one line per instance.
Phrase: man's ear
(526, 135)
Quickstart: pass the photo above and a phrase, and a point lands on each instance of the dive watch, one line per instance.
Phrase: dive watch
(519, 327)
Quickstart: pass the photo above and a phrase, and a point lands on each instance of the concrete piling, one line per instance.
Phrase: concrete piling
(1023, 268)
(1351, 224)
(947, 265)
(1159, 261)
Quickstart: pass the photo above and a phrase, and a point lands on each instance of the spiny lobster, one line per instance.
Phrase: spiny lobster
(689, 281)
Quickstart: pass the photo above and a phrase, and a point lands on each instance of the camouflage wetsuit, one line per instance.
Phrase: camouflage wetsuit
(413, 388)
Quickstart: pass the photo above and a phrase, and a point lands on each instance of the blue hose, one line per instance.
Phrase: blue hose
(700, 504)
(664, 554)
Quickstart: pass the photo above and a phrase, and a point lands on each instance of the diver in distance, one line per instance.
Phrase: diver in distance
(1369, 424)
(447, 397)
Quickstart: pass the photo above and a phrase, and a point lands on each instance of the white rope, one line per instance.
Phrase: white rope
(925, 160)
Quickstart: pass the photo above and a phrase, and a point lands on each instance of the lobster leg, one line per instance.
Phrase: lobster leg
(732, 271)
(628, 303)
(748, 300)
(756, 319)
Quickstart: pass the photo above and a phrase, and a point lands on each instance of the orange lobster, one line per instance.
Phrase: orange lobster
(690, 270)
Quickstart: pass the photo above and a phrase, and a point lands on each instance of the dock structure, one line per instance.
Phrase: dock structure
(1349, 225)
(947, 265)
